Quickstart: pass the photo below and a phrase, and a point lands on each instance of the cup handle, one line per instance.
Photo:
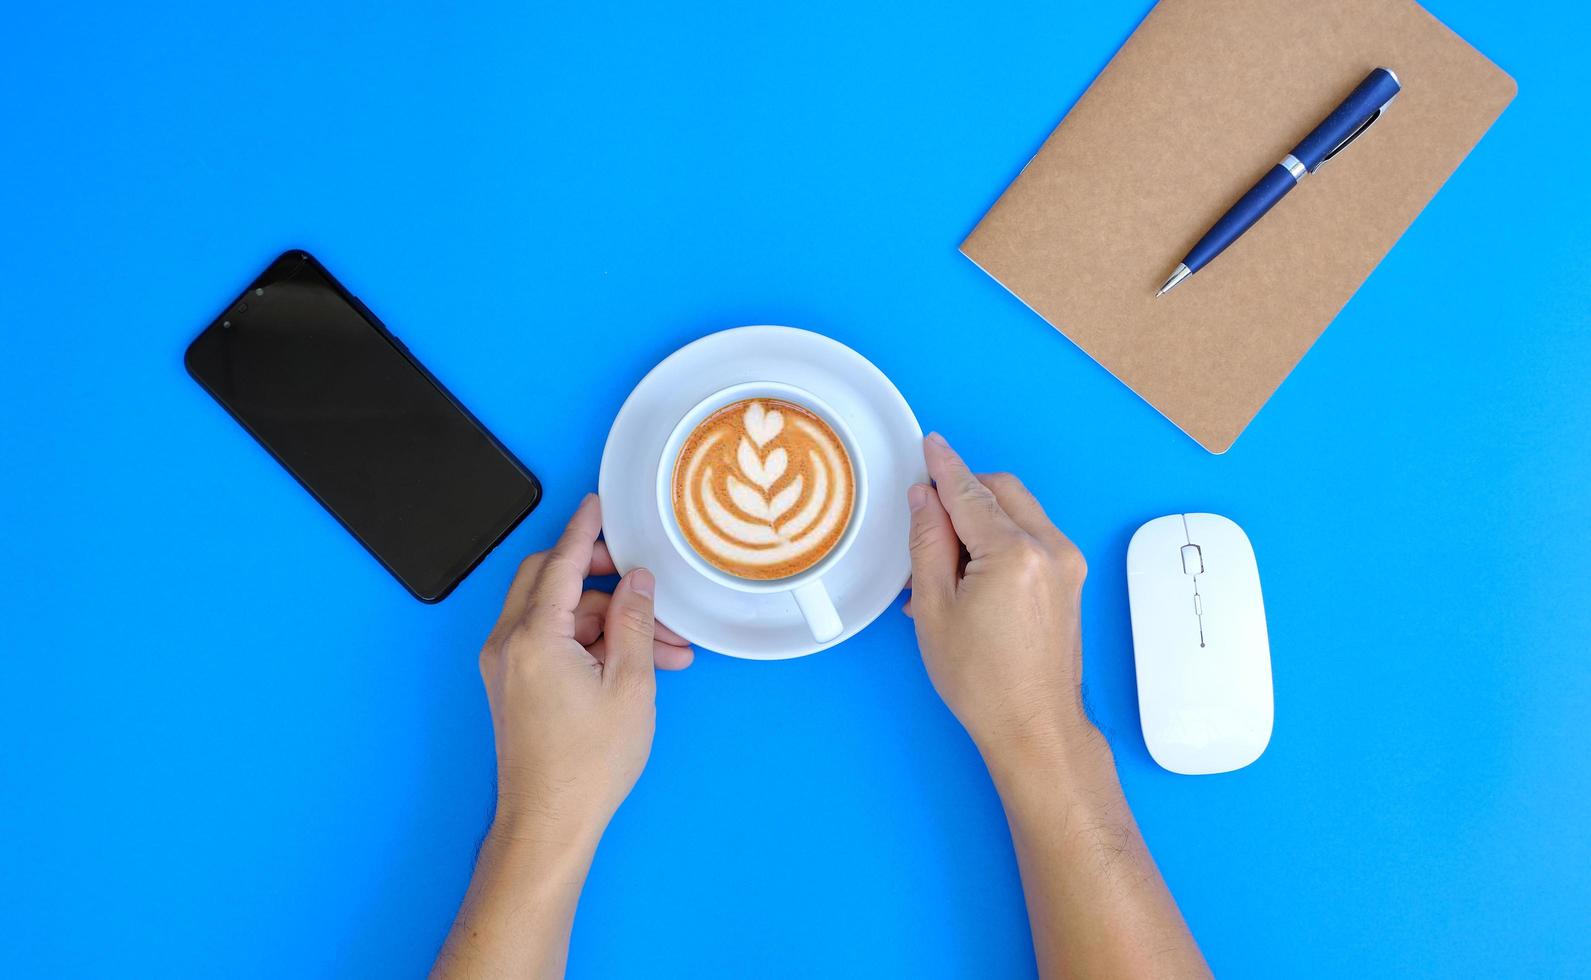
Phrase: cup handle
(818, 610)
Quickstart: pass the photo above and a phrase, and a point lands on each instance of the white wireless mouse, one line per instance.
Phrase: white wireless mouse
(1200, 644)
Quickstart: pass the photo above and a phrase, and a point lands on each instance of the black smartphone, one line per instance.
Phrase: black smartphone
(340, 402)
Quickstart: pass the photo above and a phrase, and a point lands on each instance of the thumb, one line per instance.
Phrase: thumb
(936, 550)
(973, 508)
(629, 627)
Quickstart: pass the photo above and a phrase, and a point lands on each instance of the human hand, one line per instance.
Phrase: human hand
(995, 596)
(569, 675)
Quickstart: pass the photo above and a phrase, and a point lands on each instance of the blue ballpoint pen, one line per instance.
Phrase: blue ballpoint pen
(1362, 107)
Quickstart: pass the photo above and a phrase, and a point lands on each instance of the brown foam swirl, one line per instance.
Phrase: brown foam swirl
(763, 489)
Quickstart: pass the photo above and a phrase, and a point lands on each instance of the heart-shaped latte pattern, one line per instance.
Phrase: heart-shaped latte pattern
(763, 489)
(762, 425)
(761, 470)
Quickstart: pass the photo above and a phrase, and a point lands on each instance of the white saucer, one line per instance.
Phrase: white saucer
(863, 584)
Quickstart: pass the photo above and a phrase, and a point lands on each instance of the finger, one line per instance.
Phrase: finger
(518, 594)
(519, 590)
(630, 630)
(668, 657)
(973, 511)
(665, 656)
(1024, 508)
(934, 546)
(590, 613)
(601, 560)
(907, 609)
(668, 636)
(592, 610)
(562, 575)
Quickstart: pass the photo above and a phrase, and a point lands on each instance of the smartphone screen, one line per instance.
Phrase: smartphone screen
(339, 401)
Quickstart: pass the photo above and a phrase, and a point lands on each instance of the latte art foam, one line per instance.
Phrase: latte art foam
(763, 489)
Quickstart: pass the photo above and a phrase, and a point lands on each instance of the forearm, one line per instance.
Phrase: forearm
(1096, 901)
(520, 907)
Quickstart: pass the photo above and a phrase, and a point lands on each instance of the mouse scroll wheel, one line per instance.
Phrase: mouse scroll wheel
(1192, 560)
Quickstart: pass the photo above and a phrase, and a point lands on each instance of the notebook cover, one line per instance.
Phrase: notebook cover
(1200, 101)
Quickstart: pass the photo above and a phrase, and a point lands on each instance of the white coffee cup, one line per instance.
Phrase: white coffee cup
(806, 587)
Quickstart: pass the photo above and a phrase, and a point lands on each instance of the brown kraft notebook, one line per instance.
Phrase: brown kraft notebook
(1201, 100)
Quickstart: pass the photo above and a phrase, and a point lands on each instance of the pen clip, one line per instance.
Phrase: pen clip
(1359, 131)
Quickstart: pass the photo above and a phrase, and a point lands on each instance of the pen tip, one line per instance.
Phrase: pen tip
(1180, 273)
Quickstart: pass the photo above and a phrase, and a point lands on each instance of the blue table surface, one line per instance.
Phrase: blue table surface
(230, 745)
